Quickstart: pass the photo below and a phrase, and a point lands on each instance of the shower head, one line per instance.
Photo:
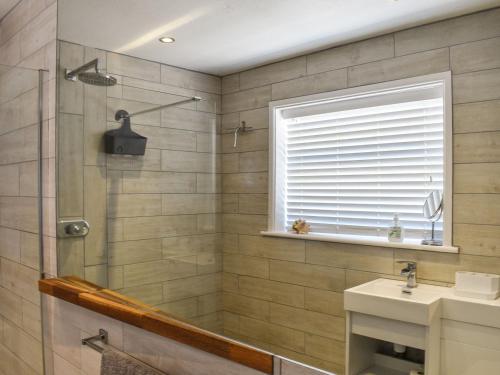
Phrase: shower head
(93, 78)
(97, 79)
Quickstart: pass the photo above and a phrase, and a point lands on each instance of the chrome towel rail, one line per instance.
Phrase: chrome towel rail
(102, 337)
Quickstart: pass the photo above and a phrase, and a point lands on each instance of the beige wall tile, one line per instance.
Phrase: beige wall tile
(21, 280)
(476, 147)
(173, 204)
(244, 224)
(9, 185)
(149, 293)
(134, 205)
(95, 214)
(70, 57)
(189, 245)
(256, 118)
(230, 282)
(273, 291)
(11, 307)
(245, 265)
(28, 179)
(273, 248)
(30, 250)
(24, 346)
(19, 213)
(180, 161)
(179, 118)
(476, 209)
(209, 262)
(476, 117)
(184, 309)
(324, 301)
(231, 163)
(70, 184)
(114, 104)
(272, 333)
(363, 258)
(253, 204)
(130, 252)
(277, 72)
(324, 348)
(400, 67)
(208, 183)
(351, 54)
(94, 122)
(97, 274)
(138, 228)
(19, 146)
(312, 84)
(39, 31)
(190, 80)
(477, 239)
(230, 83)
(151, 161)
(192, 287)
(307, 275)
(308, 321)
(244, 183)
(449, 32)
(158, 182)
(168, 139)
(480, 55)
(476, 178)
(246, 306)
(476, 86)
(10, 244)
(248, 99)
(256, 161)
(133, 67)
(255, 140)
(159, 271)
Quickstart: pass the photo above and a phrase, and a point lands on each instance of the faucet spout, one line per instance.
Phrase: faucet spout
(410, 272)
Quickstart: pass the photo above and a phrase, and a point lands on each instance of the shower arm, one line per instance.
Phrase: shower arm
(71, 74)
(121, 114)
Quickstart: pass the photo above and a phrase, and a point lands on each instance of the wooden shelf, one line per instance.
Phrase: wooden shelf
(136, 313)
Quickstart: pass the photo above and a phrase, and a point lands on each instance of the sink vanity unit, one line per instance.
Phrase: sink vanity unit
(444, 334)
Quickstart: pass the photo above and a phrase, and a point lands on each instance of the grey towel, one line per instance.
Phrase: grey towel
(117, 363)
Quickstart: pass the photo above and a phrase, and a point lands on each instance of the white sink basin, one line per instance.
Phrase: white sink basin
(384, 298)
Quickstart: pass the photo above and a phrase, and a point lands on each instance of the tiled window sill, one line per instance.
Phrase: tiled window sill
(362, 240)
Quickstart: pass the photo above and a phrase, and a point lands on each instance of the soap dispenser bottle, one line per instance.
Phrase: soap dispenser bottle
(396, 231)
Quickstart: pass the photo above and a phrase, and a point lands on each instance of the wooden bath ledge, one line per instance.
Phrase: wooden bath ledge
(136, 313)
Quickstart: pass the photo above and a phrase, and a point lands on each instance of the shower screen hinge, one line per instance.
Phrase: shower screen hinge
(72, 228)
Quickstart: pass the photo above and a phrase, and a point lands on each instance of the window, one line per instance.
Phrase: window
(347, 161)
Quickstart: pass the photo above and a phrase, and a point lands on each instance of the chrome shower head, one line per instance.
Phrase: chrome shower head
(93, 78)
(97, 79)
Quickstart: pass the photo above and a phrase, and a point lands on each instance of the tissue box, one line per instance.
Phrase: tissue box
(477, 285)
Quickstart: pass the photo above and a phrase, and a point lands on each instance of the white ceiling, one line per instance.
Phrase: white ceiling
(225, 36)
(6, 6)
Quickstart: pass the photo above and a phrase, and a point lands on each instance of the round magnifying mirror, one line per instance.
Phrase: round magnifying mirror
(432, 210)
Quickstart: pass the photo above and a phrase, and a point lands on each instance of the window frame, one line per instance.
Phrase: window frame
(275, 108)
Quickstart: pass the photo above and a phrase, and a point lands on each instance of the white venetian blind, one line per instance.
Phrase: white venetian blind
(350, 164)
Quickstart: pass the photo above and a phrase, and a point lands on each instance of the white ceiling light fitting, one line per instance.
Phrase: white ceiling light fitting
(166, 39)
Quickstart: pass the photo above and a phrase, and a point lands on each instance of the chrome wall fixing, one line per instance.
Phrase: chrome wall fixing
(242, 129)
(102, 337)
(121, 114)
(72, 228)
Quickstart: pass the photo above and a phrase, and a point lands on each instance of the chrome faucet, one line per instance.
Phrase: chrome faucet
(410, 271)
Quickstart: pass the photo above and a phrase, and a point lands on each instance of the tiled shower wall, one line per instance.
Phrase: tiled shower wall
(27, 40)
(286, 295)
(155, 232)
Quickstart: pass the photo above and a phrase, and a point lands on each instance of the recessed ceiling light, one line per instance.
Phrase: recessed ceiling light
(166, 39)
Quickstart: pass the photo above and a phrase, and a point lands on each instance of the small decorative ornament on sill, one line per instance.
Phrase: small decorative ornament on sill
(300, 226)
(396, 231)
